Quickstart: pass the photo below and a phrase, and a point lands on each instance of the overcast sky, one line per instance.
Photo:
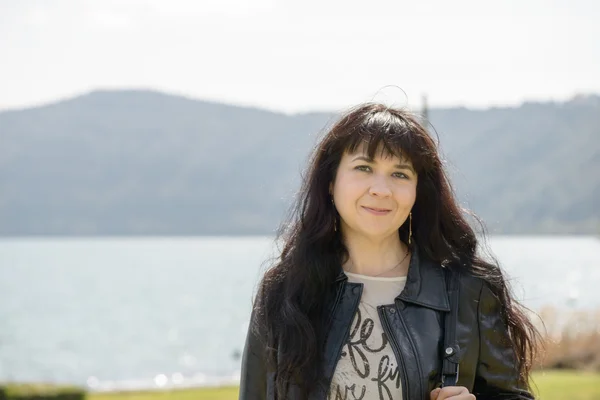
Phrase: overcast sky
(300, 55)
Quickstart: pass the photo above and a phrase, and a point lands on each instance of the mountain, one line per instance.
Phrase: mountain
(149, 163)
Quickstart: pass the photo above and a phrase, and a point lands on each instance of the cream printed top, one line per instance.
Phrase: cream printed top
(367, 368)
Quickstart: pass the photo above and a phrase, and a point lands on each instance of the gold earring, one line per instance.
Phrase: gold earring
(409, 227)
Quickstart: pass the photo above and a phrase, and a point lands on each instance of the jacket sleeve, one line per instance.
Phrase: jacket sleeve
(497, 376)
(253, 378)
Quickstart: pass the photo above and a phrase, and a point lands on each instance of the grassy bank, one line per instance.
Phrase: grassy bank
(551, 385)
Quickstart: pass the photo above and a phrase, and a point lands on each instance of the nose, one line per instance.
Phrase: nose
(379, 187)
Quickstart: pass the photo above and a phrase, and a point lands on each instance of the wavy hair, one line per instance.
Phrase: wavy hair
(291, 294)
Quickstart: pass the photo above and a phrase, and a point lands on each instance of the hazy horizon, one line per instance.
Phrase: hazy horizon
(416, 106)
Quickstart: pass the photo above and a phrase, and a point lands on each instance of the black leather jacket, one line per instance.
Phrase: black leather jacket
(415, 325)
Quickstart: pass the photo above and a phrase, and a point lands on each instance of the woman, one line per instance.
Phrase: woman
(357, 303)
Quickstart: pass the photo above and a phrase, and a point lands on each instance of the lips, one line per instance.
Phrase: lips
(377, 210)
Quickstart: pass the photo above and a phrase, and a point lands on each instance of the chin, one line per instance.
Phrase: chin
(378, 233)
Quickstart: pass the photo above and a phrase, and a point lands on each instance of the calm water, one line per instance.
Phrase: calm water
(150, 312)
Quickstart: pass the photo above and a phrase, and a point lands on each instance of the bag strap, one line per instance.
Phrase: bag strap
(450, 358)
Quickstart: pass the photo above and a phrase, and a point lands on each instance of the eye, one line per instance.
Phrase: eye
(400, 175)
(364, 168)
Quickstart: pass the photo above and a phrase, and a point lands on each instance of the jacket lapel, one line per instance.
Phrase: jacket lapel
(343, 313)
(425, 283)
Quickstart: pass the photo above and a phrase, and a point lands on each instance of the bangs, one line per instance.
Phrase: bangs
(387, 135)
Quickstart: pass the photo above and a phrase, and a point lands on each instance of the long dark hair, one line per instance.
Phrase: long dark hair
(291, 294)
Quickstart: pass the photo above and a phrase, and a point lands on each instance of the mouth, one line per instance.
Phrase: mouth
(377, 211)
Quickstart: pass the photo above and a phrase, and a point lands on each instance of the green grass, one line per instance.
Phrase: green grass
(571, 385)
(551, 385)
(226, 393)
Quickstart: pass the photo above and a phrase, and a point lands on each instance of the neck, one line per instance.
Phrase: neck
(384, 257)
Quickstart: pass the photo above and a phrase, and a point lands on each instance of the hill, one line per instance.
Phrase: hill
(148, 163)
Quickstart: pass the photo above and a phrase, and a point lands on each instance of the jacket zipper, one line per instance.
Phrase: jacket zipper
(412, 345)
(396, 349)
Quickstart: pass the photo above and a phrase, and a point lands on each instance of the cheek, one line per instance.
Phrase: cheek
(406, 195)
(347, 193)
(346, 188)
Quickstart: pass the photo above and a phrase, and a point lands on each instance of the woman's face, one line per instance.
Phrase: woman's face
(373, 197)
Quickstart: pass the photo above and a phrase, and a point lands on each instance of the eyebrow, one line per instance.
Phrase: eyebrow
(399, 166)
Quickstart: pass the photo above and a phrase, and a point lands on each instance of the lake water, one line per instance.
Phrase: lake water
(126, 313)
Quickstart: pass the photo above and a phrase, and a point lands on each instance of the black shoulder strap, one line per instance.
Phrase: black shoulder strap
(450, 358)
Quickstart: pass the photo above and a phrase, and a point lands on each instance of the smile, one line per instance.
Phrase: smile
(376, 211)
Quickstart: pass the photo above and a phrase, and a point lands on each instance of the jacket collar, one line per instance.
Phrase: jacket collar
(425, 282)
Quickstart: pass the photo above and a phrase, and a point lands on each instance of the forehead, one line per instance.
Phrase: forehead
(381, 153)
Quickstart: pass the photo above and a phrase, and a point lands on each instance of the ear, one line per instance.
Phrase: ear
(331, 188)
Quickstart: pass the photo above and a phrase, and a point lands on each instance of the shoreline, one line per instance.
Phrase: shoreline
(162, 382)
